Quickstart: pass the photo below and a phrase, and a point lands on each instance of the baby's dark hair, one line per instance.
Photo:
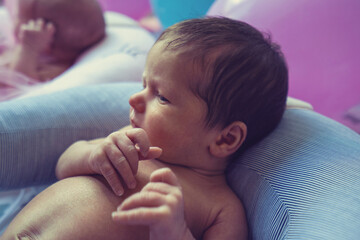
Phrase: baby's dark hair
(245, 74)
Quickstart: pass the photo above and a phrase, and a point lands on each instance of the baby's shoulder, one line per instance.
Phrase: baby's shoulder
(228, 201)
(230, 221)
(220, 200)
(232, 207)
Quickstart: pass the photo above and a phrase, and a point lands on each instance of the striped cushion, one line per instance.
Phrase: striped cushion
(35, 131)
(302, 181)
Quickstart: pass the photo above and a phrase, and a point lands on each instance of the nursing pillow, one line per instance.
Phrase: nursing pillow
(300, 182)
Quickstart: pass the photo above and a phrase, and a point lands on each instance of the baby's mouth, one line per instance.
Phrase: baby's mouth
(131, 118)
(133, 124)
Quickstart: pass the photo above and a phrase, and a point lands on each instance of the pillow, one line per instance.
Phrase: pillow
(352, 118)
(302, 181)
(36, 130)
(296, 103)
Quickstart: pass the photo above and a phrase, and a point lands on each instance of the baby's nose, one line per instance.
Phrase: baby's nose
(137, 102)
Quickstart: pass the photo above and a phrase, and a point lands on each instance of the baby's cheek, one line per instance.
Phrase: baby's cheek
(158, 134)
(159, 131)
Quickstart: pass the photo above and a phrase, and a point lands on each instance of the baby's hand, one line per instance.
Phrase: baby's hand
(118, 156)
(36, 35)
(159, 205)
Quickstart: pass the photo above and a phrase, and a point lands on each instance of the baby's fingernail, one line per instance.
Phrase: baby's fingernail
(119, 192)
(114, 214)
(142, 151)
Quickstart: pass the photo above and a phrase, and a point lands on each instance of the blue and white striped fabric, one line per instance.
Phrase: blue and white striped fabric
(35, 131)
(301, 182)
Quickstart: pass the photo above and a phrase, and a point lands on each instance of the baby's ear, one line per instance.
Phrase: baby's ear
(229, 140)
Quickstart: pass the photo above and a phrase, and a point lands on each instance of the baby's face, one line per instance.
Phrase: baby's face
(170, 113)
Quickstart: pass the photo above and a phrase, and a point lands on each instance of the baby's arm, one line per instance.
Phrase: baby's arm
(34, 38)
(114, 156)
(159, 205)
(73, 208)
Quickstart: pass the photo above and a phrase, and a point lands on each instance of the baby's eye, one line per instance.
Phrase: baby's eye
(162, 99)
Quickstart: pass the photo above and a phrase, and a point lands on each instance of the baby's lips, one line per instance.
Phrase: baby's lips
(133, 124)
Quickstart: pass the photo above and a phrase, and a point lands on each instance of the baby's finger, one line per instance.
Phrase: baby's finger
(160, 187)
(141, 216)
(123, 168)
(140, 208)
(39, 24)
(154, 152)
(165, 175)
(121, 164)
(128, 149)
(142, 199)
(30, 24)
(50, 27)
(24, 27)
(111, 177)
(139, 137)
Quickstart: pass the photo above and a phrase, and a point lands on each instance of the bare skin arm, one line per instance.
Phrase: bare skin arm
(74, 161)
(75, 208)
(116, 157)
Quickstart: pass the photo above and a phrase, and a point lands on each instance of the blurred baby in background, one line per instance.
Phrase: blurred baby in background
(49, 35)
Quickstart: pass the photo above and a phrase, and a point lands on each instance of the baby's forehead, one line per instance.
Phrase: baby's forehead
(183, 61)
(197, 70)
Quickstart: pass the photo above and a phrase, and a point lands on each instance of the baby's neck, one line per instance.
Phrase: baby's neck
(202, 175)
